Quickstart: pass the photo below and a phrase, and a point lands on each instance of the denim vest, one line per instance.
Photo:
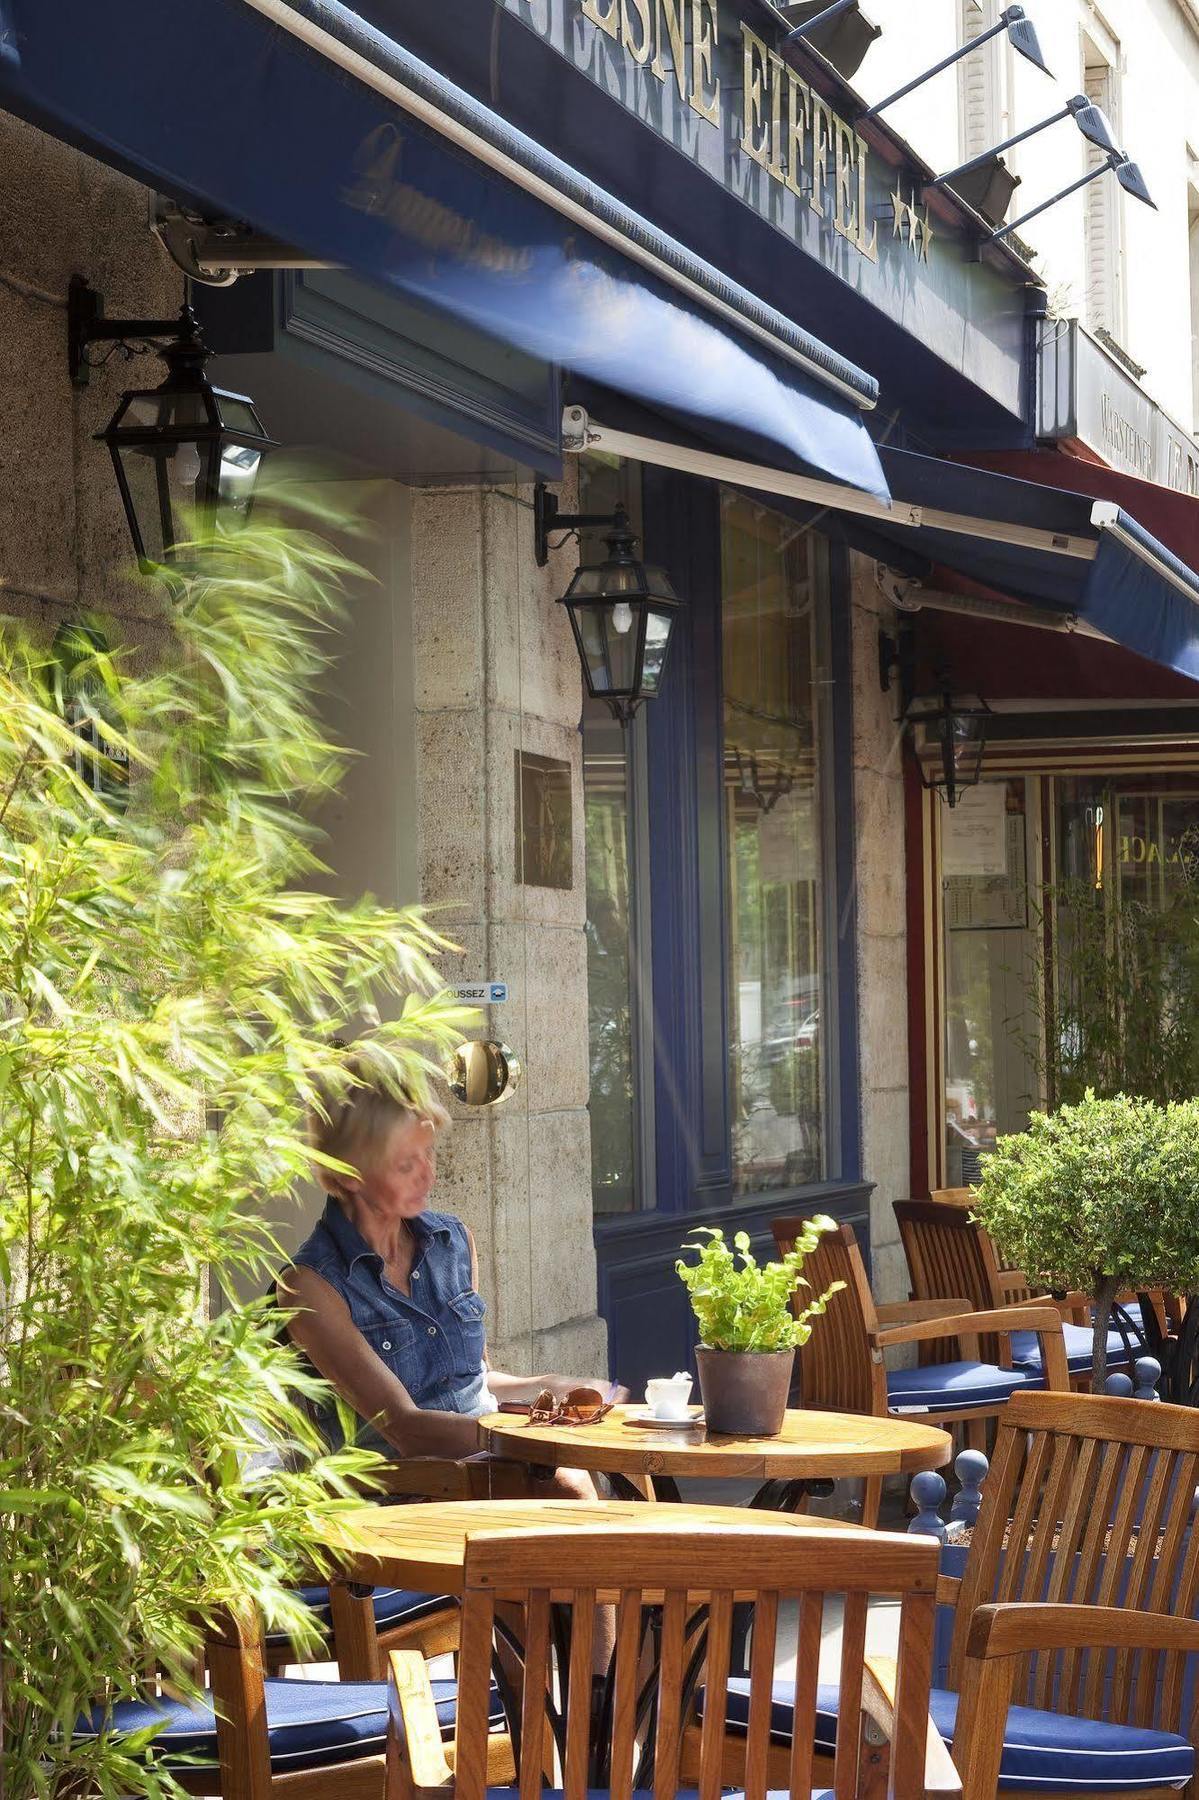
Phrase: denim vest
(432, 1338)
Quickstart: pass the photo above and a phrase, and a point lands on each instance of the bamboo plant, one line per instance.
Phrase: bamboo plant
(171, 1003)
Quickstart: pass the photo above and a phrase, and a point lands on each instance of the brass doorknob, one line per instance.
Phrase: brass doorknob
(483, 1073)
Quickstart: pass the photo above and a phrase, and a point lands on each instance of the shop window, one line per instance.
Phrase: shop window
(617, 928)
(990, 917)
(1124, 967)
(773, 661)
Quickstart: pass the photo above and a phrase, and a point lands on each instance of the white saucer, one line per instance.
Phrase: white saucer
(652, 1423)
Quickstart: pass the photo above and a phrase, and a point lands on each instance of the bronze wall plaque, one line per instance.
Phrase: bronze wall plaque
(544, 835)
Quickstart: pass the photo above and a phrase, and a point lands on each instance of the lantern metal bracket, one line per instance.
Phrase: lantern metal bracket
(548, 516)
(86, 325)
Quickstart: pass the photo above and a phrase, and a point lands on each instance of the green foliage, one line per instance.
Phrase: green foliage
(1101, 1195)
(171, 996)
(1124, 1017)
(749, 1308)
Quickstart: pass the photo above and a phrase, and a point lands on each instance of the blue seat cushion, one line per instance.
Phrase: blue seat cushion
(311, 1724)
(392, 1606)
(1045, 1751)
(1026, 1349)
(952, 1387)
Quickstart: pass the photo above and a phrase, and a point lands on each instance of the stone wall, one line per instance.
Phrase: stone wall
(495, 670)
(882, 933)
(64, 542)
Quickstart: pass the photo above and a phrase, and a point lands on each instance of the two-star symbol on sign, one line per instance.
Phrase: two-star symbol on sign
(909, 223)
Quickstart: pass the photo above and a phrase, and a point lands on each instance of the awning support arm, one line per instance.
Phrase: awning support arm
(581, 433)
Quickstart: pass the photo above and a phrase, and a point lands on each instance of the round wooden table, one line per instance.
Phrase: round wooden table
(812, 1446)
(423, 1546)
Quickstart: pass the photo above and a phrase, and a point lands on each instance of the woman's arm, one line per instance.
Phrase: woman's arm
(325, 1332)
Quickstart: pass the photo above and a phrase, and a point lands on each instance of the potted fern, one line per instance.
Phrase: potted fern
(749, 1328)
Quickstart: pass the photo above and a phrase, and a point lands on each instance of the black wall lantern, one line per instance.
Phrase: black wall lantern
(949, 731)
(955, 736)
(622, 611)
(184, 452)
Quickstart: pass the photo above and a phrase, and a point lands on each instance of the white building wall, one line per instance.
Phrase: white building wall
(1152, 47)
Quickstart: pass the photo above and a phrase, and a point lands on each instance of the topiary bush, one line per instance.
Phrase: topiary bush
(1102, 1195)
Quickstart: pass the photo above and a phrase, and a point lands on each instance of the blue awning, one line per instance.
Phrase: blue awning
(301, 119)
(1050, 547)
(1046, 546)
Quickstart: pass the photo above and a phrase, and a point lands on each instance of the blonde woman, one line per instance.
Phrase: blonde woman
(385, 1292)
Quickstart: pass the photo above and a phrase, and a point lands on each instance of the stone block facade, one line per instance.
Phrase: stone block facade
(64, 543)
(495, 671)
(879, 864)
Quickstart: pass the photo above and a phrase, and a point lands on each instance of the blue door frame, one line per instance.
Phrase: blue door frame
(650, 1328)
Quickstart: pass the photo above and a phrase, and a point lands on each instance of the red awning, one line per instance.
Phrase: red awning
(1173, 518)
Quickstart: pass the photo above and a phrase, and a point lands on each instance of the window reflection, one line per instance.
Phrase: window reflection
(773, 855)
(614, 871)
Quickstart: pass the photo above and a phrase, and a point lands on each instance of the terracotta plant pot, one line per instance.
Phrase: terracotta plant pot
(744, 1391)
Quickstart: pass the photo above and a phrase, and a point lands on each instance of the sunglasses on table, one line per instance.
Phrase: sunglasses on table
(581, 1406)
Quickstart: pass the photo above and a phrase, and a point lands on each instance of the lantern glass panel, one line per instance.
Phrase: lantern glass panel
(657, 642)
(609, 654)
(238, 474)
(162, 482)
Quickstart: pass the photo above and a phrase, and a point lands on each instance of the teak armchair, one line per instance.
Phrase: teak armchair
(1077, 1604)
(257, 1738)
(949, 1253)
(841, 1367)
(557, 1578)
(1130, 1332)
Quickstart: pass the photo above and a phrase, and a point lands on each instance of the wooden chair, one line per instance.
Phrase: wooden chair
(558, 1577)
(258, 1738)
(360, 1640)
(1077, 1605)
(949, 1253)
(1137, 1327)
(841, 1367)
(1080, 1589)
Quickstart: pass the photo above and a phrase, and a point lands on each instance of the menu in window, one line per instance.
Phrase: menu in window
(974, 832)
(985, 882)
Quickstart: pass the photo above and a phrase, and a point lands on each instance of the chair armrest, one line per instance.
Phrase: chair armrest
(899, 1312)
(1015, 1627)
(1041, 1318)
(413, 1731)
(1000, 1635)
(879, 1680)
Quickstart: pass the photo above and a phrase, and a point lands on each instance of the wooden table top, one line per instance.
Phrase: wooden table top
(811, 1446)
(423, 1547)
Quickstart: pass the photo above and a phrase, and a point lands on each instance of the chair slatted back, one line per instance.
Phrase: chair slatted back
(836, 1371)
(695, 1576)
(1089, 1502)
(950, 1257)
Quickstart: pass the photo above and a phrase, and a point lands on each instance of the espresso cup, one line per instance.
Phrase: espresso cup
(667, 1396)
